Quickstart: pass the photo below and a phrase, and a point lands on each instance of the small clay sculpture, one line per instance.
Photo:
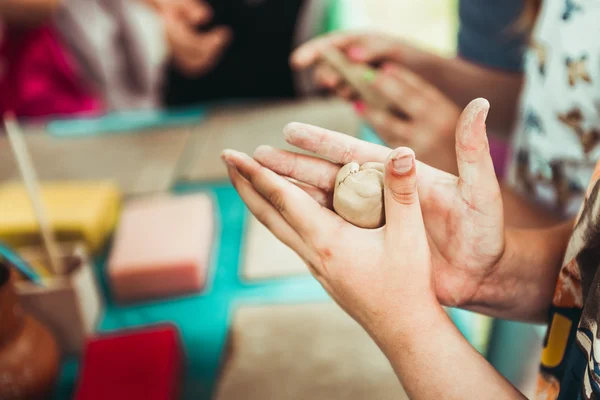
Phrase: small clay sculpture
(358, 194)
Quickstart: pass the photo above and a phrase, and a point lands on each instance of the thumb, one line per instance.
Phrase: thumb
(309, 53)
(478, 182)
(404, 221)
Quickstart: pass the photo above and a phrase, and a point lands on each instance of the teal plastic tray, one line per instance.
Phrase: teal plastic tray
(125, 122)
(204, 319)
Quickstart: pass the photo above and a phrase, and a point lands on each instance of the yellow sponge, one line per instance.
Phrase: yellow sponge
(78, 211)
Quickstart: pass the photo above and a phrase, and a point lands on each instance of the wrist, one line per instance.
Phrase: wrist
(493, 290)
(425, 63)
(521, 284)
(409, 330)
(405, 319)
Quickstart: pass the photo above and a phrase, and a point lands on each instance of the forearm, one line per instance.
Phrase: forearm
(463, 81)
(522, 284)
(434, 361)
(27, 13)
(522, 213)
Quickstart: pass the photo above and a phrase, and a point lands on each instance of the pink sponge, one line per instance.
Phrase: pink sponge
(162, 247)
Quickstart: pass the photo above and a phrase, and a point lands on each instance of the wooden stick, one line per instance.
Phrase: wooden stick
(19, 148)
(356, 76)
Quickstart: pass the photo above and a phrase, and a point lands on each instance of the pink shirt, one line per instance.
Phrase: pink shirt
(39, 78)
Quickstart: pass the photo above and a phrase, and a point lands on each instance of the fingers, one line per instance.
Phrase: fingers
(303, 168)
(325, 199)
(194, 12)
(266, 214)
(335, 146)
(342, 149)
(346, 92)
(404, 89)
(389, 127)
(372, 49)
(308, 54)
(326, 77)
(361, 54)
(404, 221)
(358, 46)
(479, 185)
(302, 213)
(216, 41)
(196, 53)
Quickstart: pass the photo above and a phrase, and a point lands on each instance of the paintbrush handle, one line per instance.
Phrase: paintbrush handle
(30, 180)
(15, 260)
(355, 75)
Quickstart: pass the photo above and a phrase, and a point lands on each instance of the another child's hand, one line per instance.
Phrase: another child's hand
(194, 53)
(371, 273)
(369, 48)
(421, 117)
(463, 215)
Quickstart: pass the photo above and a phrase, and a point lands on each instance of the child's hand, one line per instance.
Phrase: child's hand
(369, 272)
(194, 53)
(369, 48)
(463, 215)
(422, 117)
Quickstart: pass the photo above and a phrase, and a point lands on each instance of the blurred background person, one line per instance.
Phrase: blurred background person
(74, 57)
(491, 43)
(237, 49)
(38, 76)
(488, 63)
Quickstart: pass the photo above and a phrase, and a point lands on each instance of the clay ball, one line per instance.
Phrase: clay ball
(358, 194)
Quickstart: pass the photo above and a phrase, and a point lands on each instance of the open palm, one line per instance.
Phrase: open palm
(463, 215)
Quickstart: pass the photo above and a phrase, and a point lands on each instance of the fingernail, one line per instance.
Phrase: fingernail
(294, 130)
(482, 116)
(403, 164)
(359, 107)
(301, 57)
(262, 150)
(228, 162)
(225, 156)
(388, 68)
(369, 76)
(356, 54)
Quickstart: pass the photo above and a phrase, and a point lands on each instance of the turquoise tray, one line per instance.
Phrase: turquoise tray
(203, 320)
(125, 122)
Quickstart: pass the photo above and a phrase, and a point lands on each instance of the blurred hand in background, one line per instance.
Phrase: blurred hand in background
(421, 116)
(193, 51)
(368, 48)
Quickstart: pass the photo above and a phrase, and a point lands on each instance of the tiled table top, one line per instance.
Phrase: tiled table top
(245, 127)
(309, 351)
(139, 163)
(266, 257)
